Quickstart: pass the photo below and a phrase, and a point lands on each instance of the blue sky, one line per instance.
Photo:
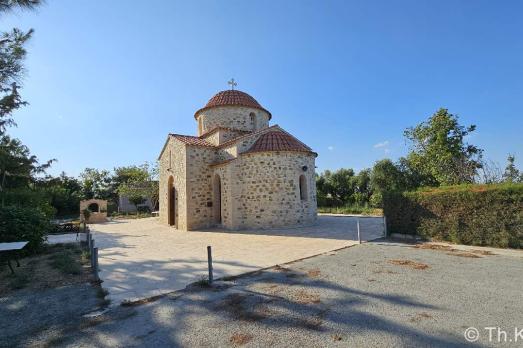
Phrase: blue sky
(107, 80)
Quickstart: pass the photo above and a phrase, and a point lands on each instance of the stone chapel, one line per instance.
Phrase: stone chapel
(238, 172)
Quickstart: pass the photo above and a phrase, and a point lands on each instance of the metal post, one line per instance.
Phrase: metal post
(91, 250)
(209, 263)
(358, 225)
(95, 268)
(384, 226)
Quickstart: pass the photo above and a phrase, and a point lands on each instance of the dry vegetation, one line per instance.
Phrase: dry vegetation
(313, 273)
(240, 339)
(56, 266)
(410, 264)
(305, 297)
(454, 252)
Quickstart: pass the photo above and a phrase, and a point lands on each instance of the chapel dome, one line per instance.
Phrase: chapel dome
(232, 97)
(279, 141)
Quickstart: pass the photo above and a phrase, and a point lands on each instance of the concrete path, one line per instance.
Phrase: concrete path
(142, 258)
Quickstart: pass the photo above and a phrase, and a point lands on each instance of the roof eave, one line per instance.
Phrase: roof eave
(217, 106)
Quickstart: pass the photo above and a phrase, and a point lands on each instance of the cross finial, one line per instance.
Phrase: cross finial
(232, 83)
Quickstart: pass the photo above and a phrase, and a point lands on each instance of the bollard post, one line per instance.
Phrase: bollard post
(91, 251)
(95, 268)
(384, 226)
(358, 225)
(209, 263)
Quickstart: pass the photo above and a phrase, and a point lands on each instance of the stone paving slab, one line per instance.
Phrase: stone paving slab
(142, 258)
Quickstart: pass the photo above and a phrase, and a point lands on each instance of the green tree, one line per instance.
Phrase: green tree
(96, 184)
(387, 176)
(439, 152)
(340, 185)
(141, 183)
(18, 167)
(511, 173)
(64, 193)
(362, 187)
(12, 55)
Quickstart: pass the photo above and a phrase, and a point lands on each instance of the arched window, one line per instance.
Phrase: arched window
(303, 188)
(252, 115)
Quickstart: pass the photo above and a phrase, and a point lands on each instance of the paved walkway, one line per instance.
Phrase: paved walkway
(142, 258)
(65, 238)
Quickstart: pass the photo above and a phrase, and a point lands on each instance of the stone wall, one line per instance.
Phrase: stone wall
(173, 162)
(236, 117)
(199, 186)
(258, 190)
(220, 136)
(262, 190)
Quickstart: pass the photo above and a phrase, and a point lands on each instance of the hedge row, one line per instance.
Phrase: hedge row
(485, 215)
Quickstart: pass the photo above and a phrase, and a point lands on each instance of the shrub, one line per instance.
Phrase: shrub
(376, 200)
(143, 209)
(24, 224)
(485, 215)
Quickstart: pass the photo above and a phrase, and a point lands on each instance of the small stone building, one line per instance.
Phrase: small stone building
(238, 172)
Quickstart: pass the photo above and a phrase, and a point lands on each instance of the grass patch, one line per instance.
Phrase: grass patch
(19, 281)
(351, 210)
(54, 266)
(203, 282)
(66, 262)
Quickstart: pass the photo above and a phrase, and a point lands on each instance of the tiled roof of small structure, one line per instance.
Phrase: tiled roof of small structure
(278, 141)
(191, 140)
(232, 97)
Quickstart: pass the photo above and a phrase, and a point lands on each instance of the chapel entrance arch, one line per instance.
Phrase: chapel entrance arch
(173, 202)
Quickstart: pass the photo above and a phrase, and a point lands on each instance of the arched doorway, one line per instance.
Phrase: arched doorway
(173, 201)
(94, 207)
(217, 199)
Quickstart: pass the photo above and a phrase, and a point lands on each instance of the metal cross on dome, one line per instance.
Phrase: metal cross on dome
(232, 83)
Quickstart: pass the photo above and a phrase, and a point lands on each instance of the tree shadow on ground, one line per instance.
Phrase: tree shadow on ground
(252, 302)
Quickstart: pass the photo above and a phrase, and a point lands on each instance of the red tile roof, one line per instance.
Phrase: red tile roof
(190, 140)
(232, 98)
(278, 141)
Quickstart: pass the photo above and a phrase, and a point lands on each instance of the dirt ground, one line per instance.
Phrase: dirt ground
(48, 293)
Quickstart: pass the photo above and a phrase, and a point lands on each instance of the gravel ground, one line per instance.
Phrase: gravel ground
(381, 294)
(29, 317)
